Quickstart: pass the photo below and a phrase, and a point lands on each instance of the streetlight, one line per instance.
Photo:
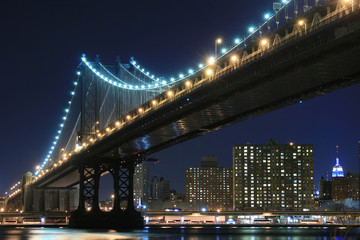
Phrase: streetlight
(217, 41)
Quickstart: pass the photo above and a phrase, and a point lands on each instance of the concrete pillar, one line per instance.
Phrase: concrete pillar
(64, 200)
(26, 193)
(74, 198)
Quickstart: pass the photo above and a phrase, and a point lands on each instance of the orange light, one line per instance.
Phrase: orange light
(170, 93)
(234, 58)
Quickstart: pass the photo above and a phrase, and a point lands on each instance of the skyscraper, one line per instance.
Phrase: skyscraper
(337, 170)
(273, 176)
(339, 184)
(141, 180)
(209, 186)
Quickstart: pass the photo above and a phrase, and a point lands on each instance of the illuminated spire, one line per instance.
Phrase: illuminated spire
(337, 170)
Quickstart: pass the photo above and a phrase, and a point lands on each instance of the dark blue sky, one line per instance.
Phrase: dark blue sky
(41, 46)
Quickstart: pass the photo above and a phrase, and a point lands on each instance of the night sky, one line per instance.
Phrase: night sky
(41, 46)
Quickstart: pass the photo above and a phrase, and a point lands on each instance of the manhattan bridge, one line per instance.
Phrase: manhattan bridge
(121, 113)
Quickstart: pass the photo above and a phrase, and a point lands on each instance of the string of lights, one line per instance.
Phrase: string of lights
(40, 168)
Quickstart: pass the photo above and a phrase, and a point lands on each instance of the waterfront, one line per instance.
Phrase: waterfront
(193, 233)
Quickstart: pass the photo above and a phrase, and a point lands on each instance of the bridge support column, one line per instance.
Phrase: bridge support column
(123, 214)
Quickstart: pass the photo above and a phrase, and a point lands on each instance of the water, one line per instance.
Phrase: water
(192, 233)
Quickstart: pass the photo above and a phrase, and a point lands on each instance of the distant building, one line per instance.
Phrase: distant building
(337, 170)
(273, 176)
(353, 181)
(209, 186)
(339, 188)
(175, 196)
(339, 181)
(324, 190)
(159, 190)
(141, 185)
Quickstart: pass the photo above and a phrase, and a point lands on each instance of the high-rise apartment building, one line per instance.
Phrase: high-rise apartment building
(141, 184)
(209, 186)
(273, 176)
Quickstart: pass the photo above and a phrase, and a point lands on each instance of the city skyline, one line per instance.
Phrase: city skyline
(51, 68)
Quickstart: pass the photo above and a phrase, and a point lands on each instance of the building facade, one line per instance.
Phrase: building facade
(273, 176)
(160, 189)
(209, 186)
(324, 190)
(141, 185)
(353, 181)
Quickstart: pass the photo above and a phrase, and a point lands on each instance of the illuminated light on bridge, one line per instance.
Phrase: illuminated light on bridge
(188, 83)
(201, 65)
(267, 16)
(237, 41)
(209, 71)
(264, 42)
(140, 110)
(211, 60)
(301, 22)
(170, 93)
(234, 58)
(251, 29)
(224, 50)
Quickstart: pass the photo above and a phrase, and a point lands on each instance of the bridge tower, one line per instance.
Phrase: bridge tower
(123, 215)
(121, 167)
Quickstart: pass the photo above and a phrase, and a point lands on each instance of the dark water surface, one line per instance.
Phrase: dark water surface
(193, 233)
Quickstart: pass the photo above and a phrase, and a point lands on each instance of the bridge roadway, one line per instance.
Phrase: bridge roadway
(300, 67)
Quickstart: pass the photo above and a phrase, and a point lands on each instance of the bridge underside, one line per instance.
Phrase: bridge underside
(310, 66)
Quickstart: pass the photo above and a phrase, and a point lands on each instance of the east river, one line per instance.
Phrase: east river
(193, 233)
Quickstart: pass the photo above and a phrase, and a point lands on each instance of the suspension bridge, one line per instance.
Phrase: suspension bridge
(120, 113)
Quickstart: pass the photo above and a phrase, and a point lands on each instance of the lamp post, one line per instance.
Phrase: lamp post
(217, 42)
